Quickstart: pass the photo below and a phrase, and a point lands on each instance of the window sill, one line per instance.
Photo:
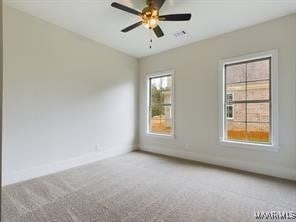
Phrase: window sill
(164, 136)
(250, 146)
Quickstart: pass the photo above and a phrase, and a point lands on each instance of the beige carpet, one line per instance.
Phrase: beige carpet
(144, 187)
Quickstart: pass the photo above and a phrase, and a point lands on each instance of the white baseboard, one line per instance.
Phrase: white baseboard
(281, 172)
(43, 170)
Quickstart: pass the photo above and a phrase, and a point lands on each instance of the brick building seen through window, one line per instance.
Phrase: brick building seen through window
(248, 101)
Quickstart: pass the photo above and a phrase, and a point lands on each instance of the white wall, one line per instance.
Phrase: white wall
(197, 98)
(63, 94)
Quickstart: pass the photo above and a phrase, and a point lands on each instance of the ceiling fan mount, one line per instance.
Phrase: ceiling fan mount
(150, 16)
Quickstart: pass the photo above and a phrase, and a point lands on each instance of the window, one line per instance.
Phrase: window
(229, 108)
(229, 111)
(249, 100)
(160, 104)
(229, 97)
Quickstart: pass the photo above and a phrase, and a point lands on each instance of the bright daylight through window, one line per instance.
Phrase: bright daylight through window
(247, 101)
(160, 93)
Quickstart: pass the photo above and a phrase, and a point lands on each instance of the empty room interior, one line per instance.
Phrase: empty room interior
(148, 110)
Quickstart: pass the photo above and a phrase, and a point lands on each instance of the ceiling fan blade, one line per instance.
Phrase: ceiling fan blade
(132, 26)
(157, 3)
(175, 17)
(158, 32)
(125, 8)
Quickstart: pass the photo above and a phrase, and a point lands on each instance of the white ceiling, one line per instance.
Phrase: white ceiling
(97, 20)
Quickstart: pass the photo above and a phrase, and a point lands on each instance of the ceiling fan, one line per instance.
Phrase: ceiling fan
(150, 16)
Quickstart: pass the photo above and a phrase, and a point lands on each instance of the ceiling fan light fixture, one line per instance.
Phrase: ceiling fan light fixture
(151, 23)
(150, 17)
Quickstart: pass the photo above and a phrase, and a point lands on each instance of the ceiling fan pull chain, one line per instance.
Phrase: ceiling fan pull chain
(150, 41)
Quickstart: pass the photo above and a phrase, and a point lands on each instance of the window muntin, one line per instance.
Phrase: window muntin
(160, 118)
(249, 82)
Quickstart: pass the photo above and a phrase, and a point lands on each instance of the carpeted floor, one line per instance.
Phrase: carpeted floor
(144, 187)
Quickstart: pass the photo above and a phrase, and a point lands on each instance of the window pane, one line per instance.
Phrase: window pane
(236, 73)
(167, 117)
(166, 82)
(169, 83)
(238, 91)
(229, 111)
(258, 126)
(161, 120)
(156, 94)
(166, 90)
(166, 97)
(258, 132)
(258, 90)
(239, 112)
(236, 127)
(236, 130)
(167, 112)
(258, 112)
(258, 70)
(160, 91)
(156, 110)
(156, 82)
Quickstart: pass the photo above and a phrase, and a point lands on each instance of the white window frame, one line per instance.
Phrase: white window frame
(148, 76)
(274, 146)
